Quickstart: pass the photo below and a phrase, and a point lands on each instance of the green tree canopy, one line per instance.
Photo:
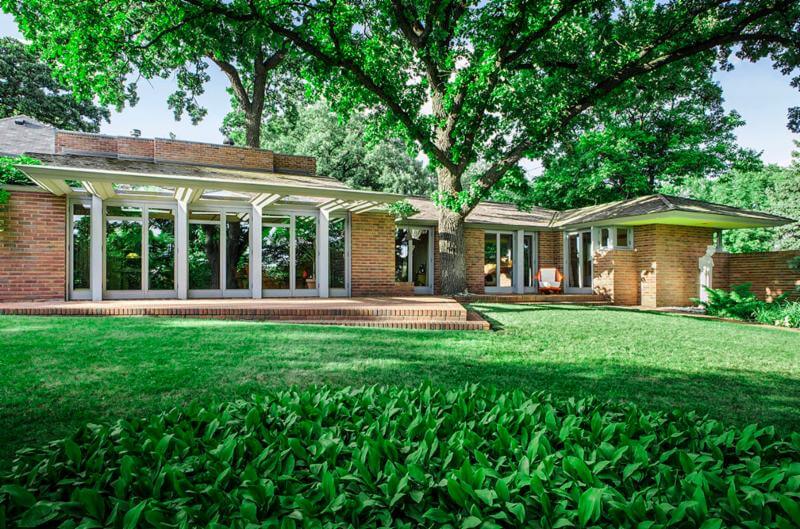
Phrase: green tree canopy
(495, 81)
(676, 132)
(344, 149)
(772, 189)
(27, 87)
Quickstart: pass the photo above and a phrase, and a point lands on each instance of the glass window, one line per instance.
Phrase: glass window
(401, 255)
(623, 237)
(81, 247)
(420, 242)
(123, 254)
(574, 261)
(490, 259)
(506, 276)
(586, 257)
(305, 229)
(123, 211)
(605, 237)
(337, 257)
(204, 262)
(275, 257)
(237, 251)
(527, 255)
(161, 242)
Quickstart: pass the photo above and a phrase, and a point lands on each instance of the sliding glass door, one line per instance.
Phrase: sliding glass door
(578, 262)
(219, 253)
(139, 251)
(498, 267)
(289, 254)
(413, 258)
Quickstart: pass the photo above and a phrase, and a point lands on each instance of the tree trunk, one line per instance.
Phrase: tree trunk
(252, 129)
(452, 252)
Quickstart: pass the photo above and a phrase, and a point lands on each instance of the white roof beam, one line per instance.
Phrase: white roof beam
(363, 208)
(263, 200)
(103, 190)
(188, 195)
(333, 205)
(57, 187)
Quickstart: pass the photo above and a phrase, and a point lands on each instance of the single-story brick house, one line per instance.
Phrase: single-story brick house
(130, 218)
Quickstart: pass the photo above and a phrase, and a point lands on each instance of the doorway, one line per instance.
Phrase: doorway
(578, 262)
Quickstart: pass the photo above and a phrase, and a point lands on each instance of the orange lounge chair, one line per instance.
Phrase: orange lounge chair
(549, 280)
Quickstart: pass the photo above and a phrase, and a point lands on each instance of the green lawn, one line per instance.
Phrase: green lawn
(56, 373)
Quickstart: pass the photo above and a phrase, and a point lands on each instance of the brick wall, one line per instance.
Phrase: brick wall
(768, 272)
(33, 248)
(166, 150)
(372, 257)
(474, 248)
(551, 250)
(287, 163)
(616, 276)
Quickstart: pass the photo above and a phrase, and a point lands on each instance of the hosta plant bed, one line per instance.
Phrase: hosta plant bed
(398, 457)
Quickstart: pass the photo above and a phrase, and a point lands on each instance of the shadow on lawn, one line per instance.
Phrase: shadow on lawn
(93, 382)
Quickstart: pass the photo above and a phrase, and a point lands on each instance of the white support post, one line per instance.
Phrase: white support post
(96, 249)
(519, 261)
(255, 251)
(323, 279)
(182, 248)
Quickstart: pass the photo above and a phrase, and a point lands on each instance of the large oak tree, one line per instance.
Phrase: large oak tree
(490, 82)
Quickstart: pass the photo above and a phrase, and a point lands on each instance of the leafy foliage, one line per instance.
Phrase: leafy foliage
(785, 314)
(379, 457)
(677, 131)
(402, 209)
(772, 189)
(10, 174)
(27, 86)
(347, 149)
(741, 304)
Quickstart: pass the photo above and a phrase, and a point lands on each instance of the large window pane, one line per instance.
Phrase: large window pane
(527, 252)
(421, 240)
(401, 255)
(237, 242)
(161, 242)
(305, 252)
(204, 263)
(490, 259)
(275, 257)
(123, 255)
(506, 276)
(586, 250)
(623, 239)
(337, 257)
(574, 262)
(81, 248)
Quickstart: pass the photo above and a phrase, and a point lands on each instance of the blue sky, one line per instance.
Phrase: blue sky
(758, 92)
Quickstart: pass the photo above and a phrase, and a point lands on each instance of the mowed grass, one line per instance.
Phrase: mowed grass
(57, 373)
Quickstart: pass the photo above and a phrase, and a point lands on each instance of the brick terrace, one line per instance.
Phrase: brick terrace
(418, 312)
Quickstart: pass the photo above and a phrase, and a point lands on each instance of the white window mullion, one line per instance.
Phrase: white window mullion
(145, 249)
(223, 246)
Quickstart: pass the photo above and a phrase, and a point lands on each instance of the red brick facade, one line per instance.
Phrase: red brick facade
(473, 243)
(165, 150)
(372, 257)
(616, 276)
(768, 272)
(33, 247)
(551, 250)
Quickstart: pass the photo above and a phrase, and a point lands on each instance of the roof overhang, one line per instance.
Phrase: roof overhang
(688, 218)
(54, 179)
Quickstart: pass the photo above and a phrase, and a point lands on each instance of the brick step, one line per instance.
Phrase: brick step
(430, 325)
(533, 298)
(456, 314)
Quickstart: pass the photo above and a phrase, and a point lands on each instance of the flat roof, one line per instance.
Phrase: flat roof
(57, 169)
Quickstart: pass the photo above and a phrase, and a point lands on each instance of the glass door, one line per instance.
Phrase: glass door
(413, 258)
(529, 262)
(219, 253)
(289, 255)
(578, 262)
(139, 247)
(498, 268)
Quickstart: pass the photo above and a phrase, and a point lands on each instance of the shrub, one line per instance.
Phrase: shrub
(380, 457)
(738, 303)
(785, 314)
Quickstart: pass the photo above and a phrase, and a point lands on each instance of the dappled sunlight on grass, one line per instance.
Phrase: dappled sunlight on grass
(56, 373)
